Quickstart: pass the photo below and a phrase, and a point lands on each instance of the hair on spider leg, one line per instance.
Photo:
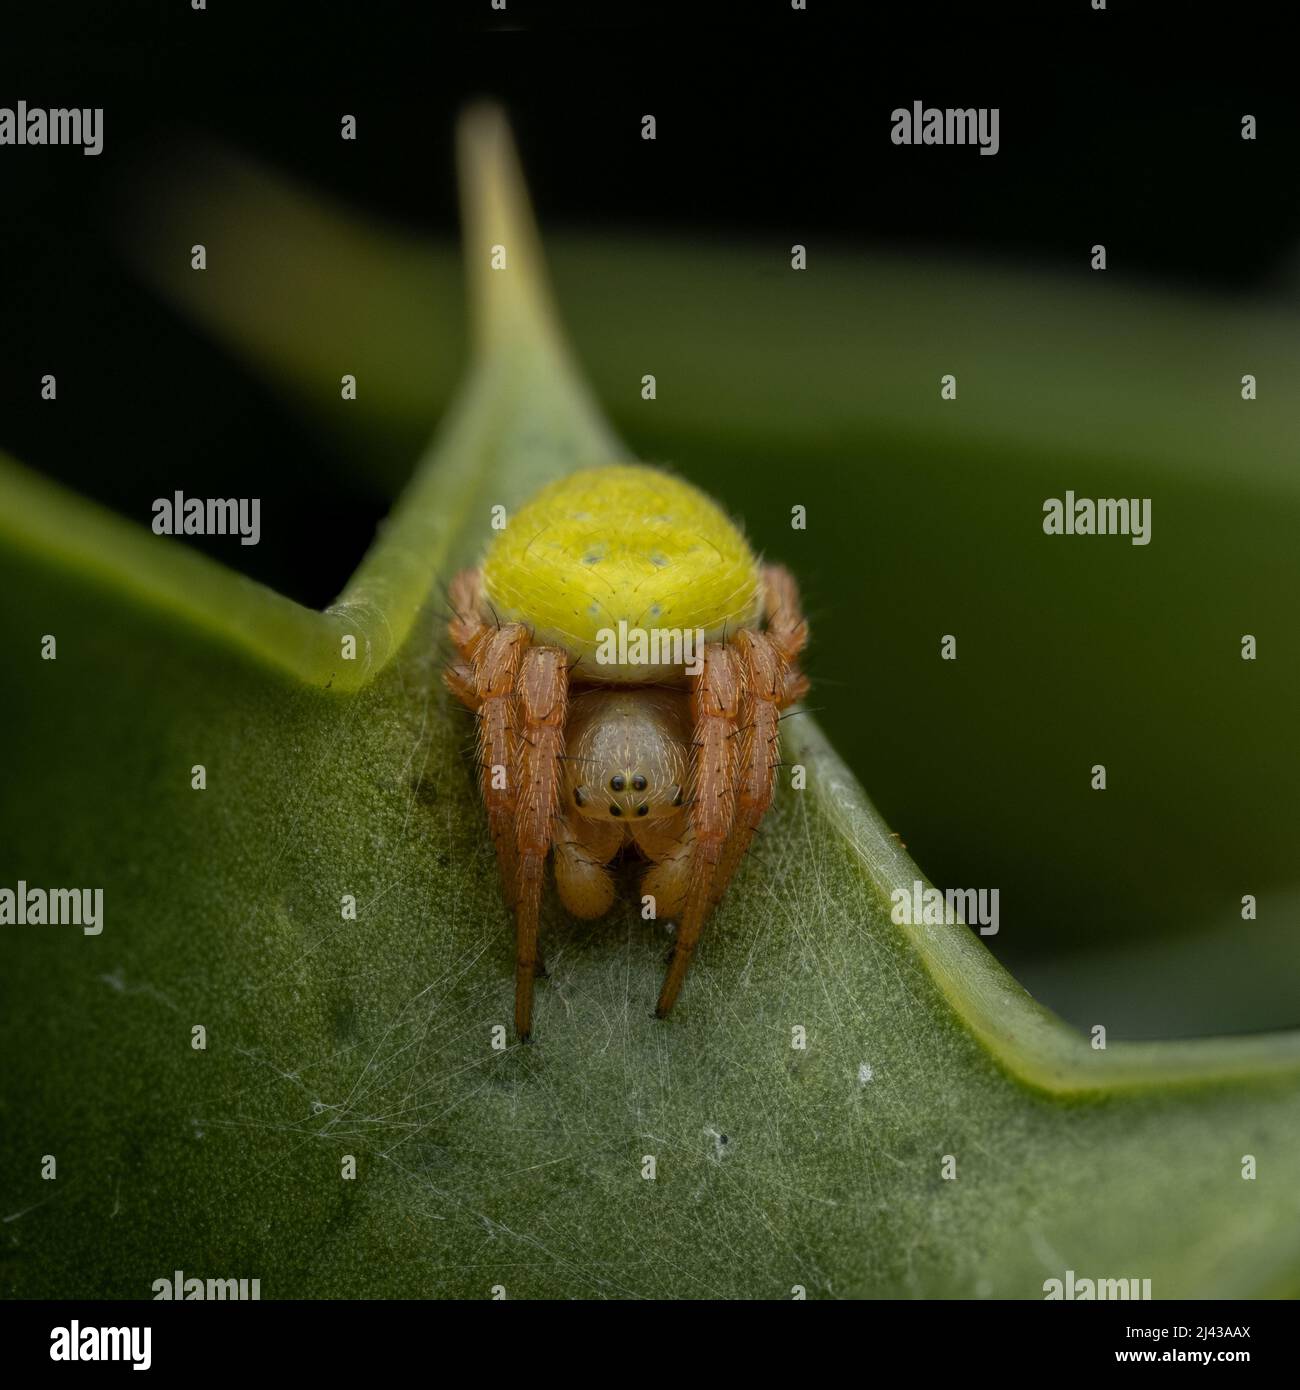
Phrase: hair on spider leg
(466, 714)
(449, 607)
(476, 713)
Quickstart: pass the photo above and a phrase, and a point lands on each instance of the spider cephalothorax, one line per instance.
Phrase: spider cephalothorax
(628, 658)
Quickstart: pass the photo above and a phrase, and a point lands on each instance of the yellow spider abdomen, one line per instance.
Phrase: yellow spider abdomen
(622, 544)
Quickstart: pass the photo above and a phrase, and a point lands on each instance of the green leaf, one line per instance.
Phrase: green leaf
(776, 1166)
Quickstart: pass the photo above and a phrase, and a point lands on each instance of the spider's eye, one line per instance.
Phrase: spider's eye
(616, 784)
(616, 810)
(578, 796)
(639, 782)
(677, 800)
(643, 810)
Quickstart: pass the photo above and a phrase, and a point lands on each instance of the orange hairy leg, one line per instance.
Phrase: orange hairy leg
(736, 706)
(715, 711)
(484, 679)
(762, 675)
(542, 699)
(519, 693)
(770, 682)
(786, 627)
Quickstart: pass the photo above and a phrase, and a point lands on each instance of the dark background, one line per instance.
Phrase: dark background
(767, 120)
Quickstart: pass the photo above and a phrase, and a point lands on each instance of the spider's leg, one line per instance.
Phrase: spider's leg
(715, 709)
(458, 677)
(466, 626)
(770, 682)
(764, 673)
(502, 680)
(787, 628)
(496, 671)
(484, 679)
(783, 617)
(541, 697)
(467, 632)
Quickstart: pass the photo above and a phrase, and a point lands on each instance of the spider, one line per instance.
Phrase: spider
(627, 657)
